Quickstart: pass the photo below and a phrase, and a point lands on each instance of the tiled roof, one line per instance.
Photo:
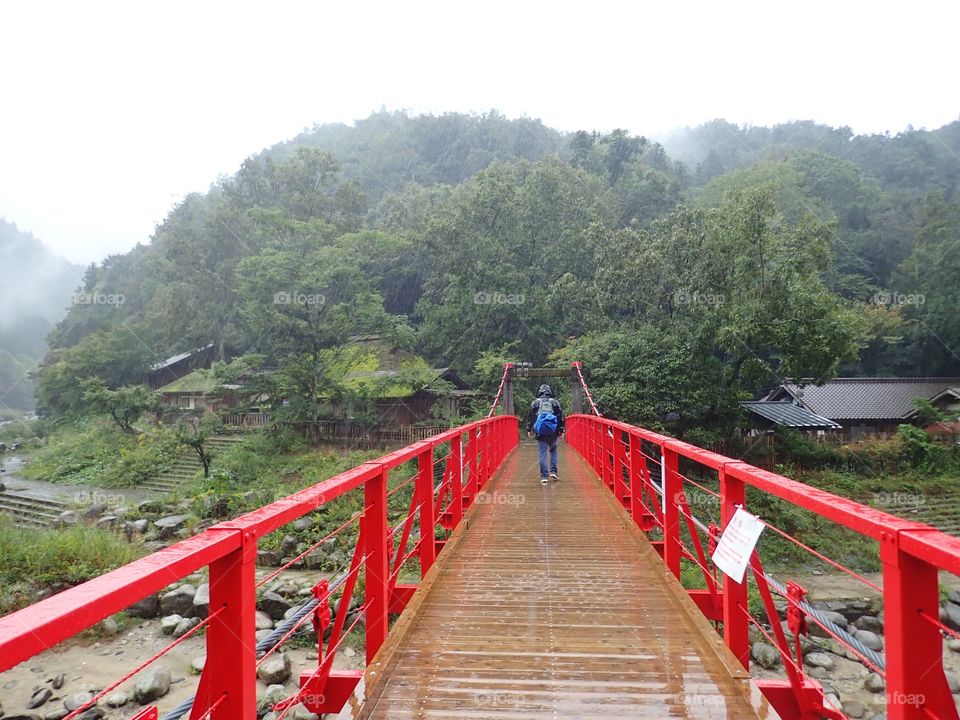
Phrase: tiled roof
(864, 398)
(177, 358)
(789, 415)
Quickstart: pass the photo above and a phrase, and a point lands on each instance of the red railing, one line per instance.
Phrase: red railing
(227, 688)
(654, 478)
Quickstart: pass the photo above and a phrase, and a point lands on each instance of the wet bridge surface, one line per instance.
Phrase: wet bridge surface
(549, 603)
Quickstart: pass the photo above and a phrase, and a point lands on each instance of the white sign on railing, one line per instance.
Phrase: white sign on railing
(737, 543)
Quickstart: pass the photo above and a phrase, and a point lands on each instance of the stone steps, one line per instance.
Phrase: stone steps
(26, 510)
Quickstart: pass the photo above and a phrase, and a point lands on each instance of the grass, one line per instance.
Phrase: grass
(35, 559)
(95, 452)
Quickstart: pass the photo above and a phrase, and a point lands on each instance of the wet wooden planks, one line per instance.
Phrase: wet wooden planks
(549, 604)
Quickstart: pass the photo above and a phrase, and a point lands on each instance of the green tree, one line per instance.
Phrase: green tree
(124, 405)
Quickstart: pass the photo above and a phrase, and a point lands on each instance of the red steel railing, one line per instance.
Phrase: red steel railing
(643, 471)
(227, 688)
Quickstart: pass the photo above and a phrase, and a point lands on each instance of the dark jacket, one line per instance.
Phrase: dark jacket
(535, 410)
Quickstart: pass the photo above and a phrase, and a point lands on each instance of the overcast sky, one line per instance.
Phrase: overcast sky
(113, 112)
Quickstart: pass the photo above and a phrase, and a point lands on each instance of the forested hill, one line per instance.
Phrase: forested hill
(36, 288)
(795, 251)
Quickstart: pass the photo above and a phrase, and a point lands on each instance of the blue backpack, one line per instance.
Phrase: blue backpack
(546, 422)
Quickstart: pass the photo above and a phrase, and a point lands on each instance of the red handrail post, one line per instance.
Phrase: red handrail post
(736, 630)
(456, 478)
(619, 461)
(636, 481)
(231, 668)
(428, 519)
(376, 562)
(672, 488)
(473, 457)
(485, 448)
(607, 453)
(915, 683)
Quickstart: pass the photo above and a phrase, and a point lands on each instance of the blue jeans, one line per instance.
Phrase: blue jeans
(542, 447)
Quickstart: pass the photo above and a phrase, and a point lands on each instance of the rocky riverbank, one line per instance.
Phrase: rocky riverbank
(851, 684)
(50, 685)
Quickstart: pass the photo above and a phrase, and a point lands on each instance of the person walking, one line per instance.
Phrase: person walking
(546, 422)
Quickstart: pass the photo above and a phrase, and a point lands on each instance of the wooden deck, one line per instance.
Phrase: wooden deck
(543, 605)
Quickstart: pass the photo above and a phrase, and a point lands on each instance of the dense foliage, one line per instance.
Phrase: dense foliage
(799, 250)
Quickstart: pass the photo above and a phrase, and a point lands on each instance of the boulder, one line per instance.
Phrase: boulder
(72, 702)
(950, 614)
(268, 558)
(169, 623)
(39, 698)
(263, 621)
(954, 645)
(834, 617)
(289, 545)
(55, 714)
(196, 665)
(149, 607)
(271, 696)
(874, 683)
(108, 626)
(870, 623)
(303, 524)
(179, 601)
(135, 527)
(275, 670)
(276, 607)
(953, 683)
(201, 601)
(954, 597)
(871, 640)
(107, 521)
(68, 517)
(185, 625)
(58, 681)
(169, 525)
(150, 506)
(118, 698)
(94, 511)
(819, 659)
(153, 684)
(301, 713)
(765, 655)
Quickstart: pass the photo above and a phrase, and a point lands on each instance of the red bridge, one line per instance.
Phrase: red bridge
(557, 601)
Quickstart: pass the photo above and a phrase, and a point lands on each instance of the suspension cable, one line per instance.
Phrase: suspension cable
(503, 381)
(577, 366)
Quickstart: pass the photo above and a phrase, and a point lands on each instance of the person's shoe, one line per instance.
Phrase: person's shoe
(543, 481)
(554, 476)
